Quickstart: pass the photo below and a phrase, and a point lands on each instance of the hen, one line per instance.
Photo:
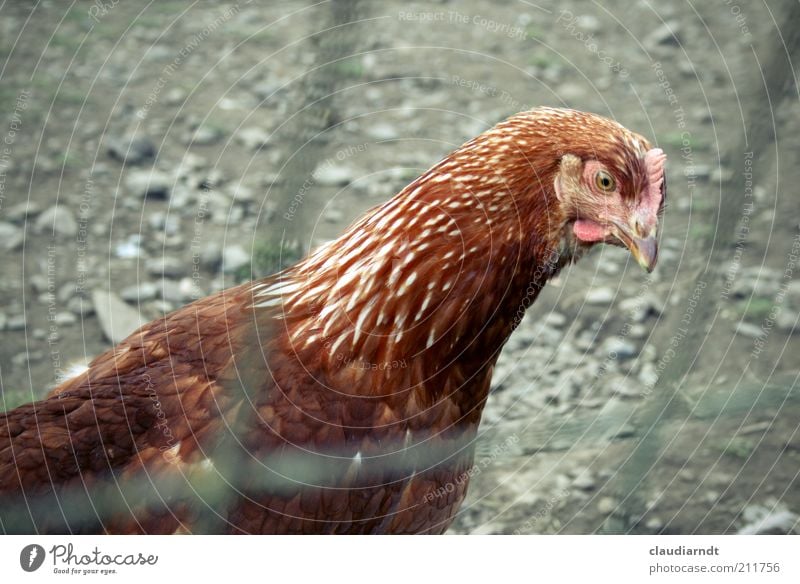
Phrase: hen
(343, 394)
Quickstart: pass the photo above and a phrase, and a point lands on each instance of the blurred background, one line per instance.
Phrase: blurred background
(153, 153)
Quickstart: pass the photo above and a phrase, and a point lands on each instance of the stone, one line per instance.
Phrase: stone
(624, 386)
(57, 220)
(139, 293)
(129, 248)
(131, 149)
(80, 306)
(721, 173)
(22, 211)
(640, 308)
(617, 347)
(787, 322)
(654, 524)
(333, 175)
(15, 322)
(211, 255)
(117, 319)
(668, 34)
(382, 131)
(65, 318)
(167, 224)
(751, 331)
(175, 96)
(204, 136)
(555, 319)
(774, 522)
(252, 138)
(585, 482)
(149, 184)
(606, 505)
(234, 257)
(11, 236)
(333, 215)
(600, 296)
(166, 266)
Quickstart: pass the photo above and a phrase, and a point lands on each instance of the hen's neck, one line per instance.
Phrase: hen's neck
(441, 273)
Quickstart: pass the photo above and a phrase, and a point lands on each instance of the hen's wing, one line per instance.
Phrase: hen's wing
(118, 446)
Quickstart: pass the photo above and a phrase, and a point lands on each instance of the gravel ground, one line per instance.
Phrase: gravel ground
(145, 153)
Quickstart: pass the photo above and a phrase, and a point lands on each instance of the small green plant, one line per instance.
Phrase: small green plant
(739, 447)
(756, 308)
(269, 257)
(349, 68)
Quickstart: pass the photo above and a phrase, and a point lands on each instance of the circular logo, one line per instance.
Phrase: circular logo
(31, 557)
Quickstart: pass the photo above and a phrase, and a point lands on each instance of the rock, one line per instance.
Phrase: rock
(175, 96)
(648, 375)
(600, 296)
(234, 257)
(617, 347)
(332, 175)
(584, 482)
(382, 131)
(139, 293)
(640, 308)
(129, 248)
(66, 291)
(167, 224)
(669, 33)
(65, 319)
(11, 236)
(654, 524)
(3, 321)
(588, 22)
(699, 171)
(57, 220)
(180, 292)
(39, 283)
(213, 179)
(570, 92)
(170, 291)
(333, 215)
(21, 211)
(22, 359)
(787, 322)
(774, 522)
(131, 149)
(211, 255)
(555, 319)
(16, 322)
(721, 173)
(117, 319)
(149, 183)
(252, 138)
(751, 331)
(204, 136)
(606, 505)
(166, 267)
(242, 194)
(270, 90)
(80, 306)
(624, 386)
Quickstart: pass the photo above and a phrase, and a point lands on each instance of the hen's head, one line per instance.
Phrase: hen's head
(608, 181)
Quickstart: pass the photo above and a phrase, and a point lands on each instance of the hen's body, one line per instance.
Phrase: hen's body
(340, 396)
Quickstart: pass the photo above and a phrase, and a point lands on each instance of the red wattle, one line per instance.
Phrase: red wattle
(589, 231)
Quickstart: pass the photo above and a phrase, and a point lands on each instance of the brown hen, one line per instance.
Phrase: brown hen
(344, 394)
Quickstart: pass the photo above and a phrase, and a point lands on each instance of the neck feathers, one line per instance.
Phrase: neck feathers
(441, 272)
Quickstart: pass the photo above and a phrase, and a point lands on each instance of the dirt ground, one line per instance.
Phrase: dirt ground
(214, 94)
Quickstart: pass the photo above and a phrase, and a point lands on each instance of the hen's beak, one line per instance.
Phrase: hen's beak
(643, 248)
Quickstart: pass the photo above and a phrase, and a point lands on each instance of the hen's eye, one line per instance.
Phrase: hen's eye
(604, 181)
